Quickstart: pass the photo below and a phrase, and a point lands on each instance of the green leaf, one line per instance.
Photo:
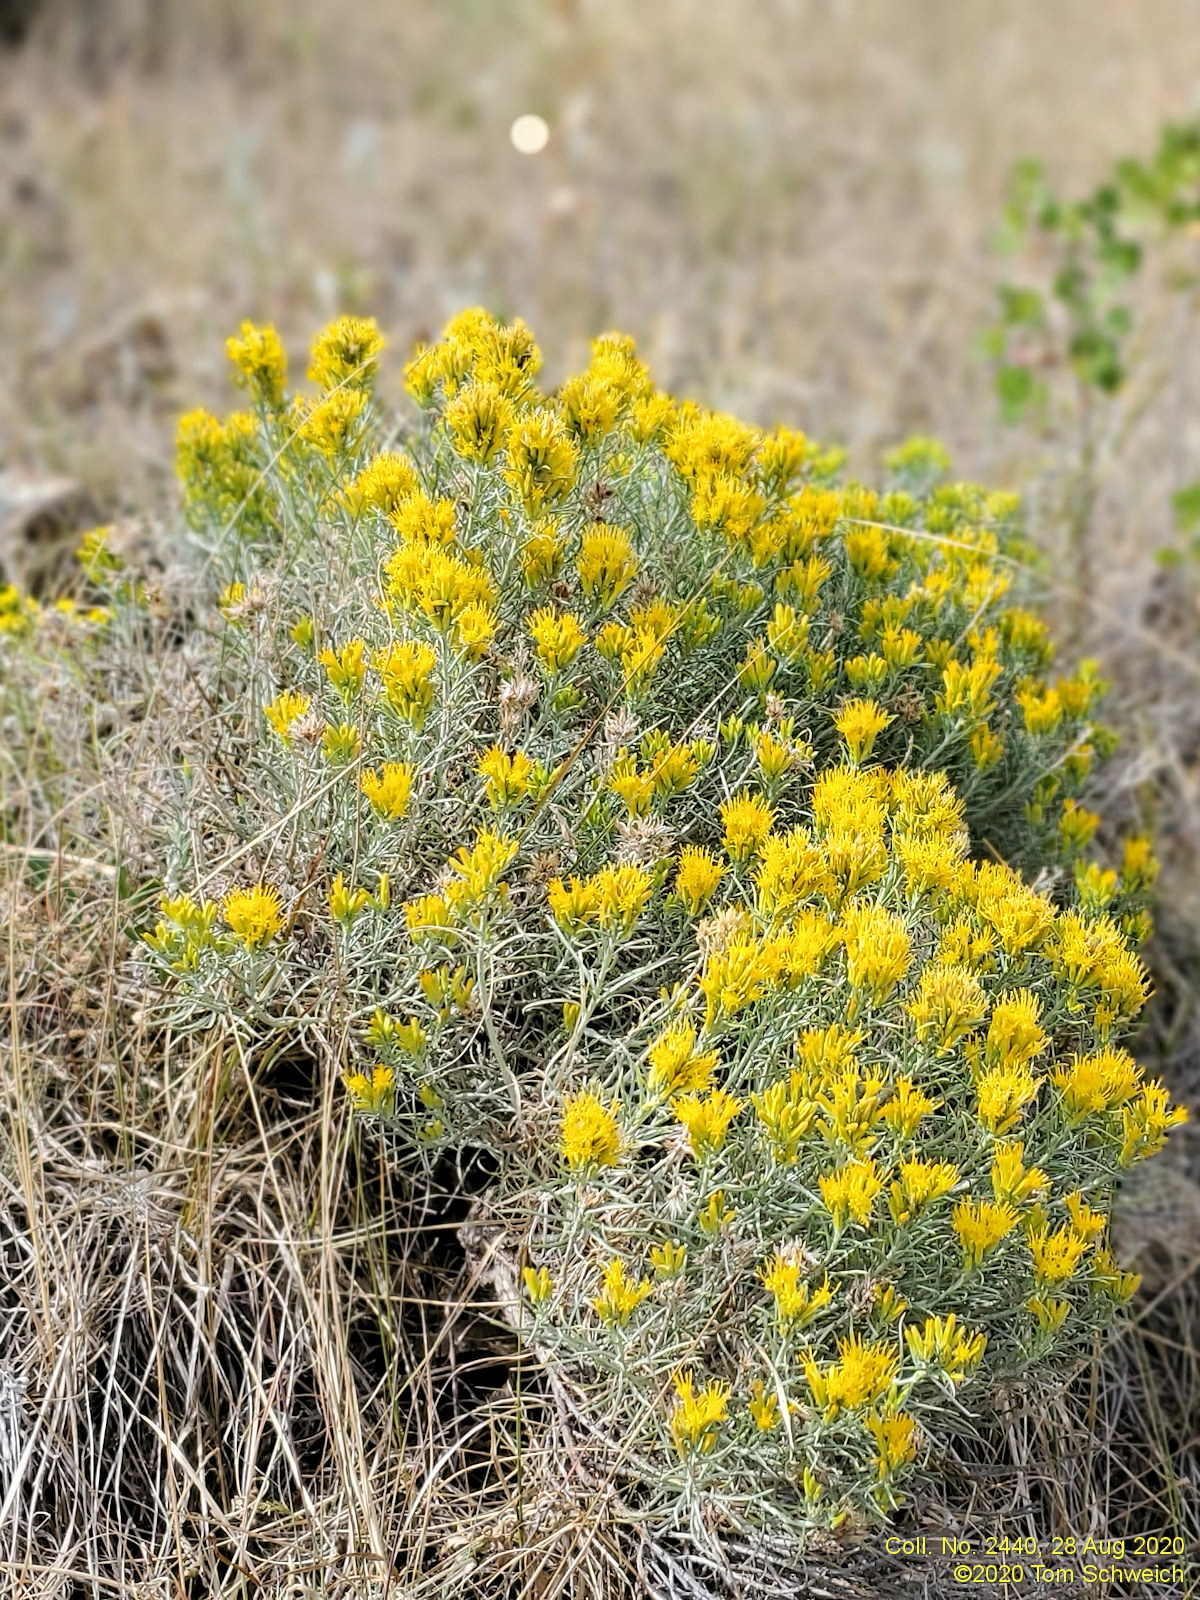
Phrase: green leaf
(1015, 389)
(1020, 306)
(1185, 503)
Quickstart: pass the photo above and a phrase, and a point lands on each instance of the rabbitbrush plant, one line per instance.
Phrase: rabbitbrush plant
(603, 783)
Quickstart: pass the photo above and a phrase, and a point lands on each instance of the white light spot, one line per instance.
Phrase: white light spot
(530, 134)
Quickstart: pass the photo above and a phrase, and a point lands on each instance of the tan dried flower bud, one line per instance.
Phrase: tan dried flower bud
(643, 840)
(517, 695)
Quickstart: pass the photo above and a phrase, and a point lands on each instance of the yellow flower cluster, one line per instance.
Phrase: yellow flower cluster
(612, 899)
(698, 1414)
(254, 915)
(619, 1295)
(590, 1135)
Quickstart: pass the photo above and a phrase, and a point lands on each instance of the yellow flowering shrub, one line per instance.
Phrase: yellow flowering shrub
(707, 837)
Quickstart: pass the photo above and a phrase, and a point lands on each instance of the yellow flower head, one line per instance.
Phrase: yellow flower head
(341, 743)
(763, 1407)
(507, 778)
(918, 1184)
(479, 418)
(706, 1119)
(590, 406)
(1015, 1037)
(539, 1285)
(254, 915)
(1012, 1181)
(1003, 1095)
(1049, 1313)
(615, 362)
(650, 417)
(347, 352)
(786, 1114)
(948, 1003)
(1096, 1083)
(878, 952)
(714, 1214)
(542, 554)
(640, 656)
(1119, 1285)
(747, 821)
(1088, 1224)
(541, 460)
(261, 362)
(945, 1343)
(794, 868)
(332, 427)
(726, 504)
(697, 877)
(429, 918)
(557, 638)
(675, 1063)
(1056, 1256)
(706, 444)
(346, 668)
(448, 990)
(1145, 1123)
(906, 1108)
(372, 1095)
(668, 1260)
(475, 871)
(867, 552)
(1020, 917)
(895, 1441)
(696, 1417)
(406, 671)
(384, 484)
(606, 562)
(1139, 868)
(827, 1052)
(438, 584)
(344, 903)
(1076, 827)
(863, 1372)
(860, 723)
(931, 862)
(572, 905)
(734, 976)
(796, 1304)
(980, 1226)
(965, 689)
(423, 522)
(388, 791)
(621, 895)
(590, 1136)
(850, 1103)
(285, 709)
(619, 1296)
(1042, 709)
(474, 630)
(851, 1191)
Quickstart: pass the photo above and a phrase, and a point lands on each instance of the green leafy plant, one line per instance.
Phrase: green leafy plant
(1068, 347)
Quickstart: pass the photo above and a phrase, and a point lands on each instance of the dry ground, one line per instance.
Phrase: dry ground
(234, 1358)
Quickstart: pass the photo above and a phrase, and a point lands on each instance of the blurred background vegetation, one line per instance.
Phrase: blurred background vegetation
(789, 202)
